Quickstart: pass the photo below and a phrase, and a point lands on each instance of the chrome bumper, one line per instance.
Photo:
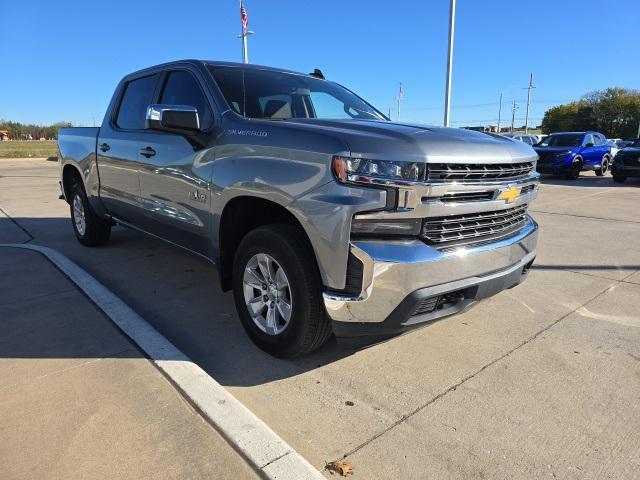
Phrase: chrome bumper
(394, 270)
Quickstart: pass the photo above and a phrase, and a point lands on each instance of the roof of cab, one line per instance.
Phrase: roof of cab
(215, 63)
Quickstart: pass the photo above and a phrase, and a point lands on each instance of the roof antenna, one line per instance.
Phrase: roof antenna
(317, 73)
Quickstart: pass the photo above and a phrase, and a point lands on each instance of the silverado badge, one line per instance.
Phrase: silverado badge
(509, 194)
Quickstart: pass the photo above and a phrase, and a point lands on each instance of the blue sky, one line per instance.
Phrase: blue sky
(61, 60)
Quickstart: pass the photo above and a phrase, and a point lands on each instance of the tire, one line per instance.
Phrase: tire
(286, 250)
(574, 171)
(604, 166)
(90, 230)
(619, 178)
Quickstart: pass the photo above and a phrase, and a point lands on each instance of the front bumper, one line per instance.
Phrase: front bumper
(403, 279)
(618, 168)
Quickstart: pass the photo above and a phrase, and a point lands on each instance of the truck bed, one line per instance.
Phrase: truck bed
(77, 144)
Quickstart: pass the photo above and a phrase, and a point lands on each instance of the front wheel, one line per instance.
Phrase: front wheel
(90, 229)
(278, 293)
(574, 171)
(604, 166)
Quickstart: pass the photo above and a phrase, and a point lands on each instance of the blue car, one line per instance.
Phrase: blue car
(569, 153)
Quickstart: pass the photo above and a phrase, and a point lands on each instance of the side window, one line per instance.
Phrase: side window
(182, 88)
(600, 140)
(137, 96)
(327, 106)
(588, 139)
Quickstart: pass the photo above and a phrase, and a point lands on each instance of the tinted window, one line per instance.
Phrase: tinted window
(562, 140)
(589, 139)
(137, 96)
(183, 89)
(278, 95)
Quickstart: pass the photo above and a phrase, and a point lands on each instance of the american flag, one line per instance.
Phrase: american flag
(243, 17)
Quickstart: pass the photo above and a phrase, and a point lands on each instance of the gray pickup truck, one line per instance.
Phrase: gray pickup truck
(321, 214)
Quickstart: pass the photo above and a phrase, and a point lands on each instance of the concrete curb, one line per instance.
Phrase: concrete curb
(269, 454)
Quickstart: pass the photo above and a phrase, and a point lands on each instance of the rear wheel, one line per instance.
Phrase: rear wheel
(90, 229)
(574, 171)
(604, 166)
(278, 293)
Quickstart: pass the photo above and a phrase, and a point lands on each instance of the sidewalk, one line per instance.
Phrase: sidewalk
(79, 400)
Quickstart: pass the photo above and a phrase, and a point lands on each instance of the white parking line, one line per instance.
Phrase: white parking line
(271, 455)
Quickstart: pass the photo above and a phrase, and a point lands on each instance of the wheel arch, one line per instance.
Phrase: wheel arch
(254, 212)
(70, 175)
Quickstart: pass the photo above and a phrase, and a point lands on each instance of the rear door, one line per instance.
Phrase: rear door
(118, 147)
(175, 170)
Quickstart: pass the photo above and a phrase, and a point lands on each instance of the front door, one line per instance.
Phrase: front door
(175, 171)
(118, 150)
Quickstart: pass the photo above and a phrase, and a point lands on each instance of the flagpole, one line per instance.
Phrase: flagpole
(244, 33)
(447, 95)
(245, 52)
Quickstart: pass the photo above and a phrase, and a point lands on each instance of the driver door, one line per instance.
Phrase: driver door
(176, 169)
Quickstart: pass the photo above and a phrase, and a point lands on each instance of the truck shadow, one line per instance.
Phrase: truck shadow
(177, 292)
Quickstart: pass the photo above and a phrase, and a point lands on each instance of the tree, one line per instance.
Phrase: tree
(614, 112)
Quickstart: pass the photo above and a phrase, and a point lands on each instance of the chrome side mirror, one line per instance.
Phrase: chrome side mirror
(182, 119)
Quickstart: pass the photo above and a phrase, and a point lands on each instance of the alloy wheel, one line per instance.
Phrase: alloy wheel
(78, 215)
(267, 294)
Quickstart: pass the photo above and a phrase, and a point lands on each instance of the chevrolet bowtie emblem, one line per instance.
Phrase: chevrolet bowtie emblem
(509, 194)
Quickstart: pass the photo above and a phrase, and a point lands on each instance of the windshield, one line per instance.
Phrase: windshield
(562, 140)
(279, 95)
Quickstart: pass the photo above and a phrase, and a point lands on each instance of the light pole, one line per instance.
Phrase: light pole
(447, 95)
(499, 112)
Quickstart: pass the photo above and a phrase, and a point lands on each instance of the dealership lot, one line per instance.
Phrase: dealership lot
(539, 381)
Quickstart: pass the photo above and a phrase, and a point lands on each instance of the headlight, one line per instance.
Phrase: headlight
(408, 227)
(384, 172)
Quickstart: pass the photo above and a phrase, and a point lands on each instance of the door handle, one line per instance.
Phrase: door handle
(105, 147)
(148, 152)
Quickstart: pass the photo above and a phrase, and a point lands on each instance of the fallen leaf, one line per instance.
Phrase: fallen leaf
(342, 467)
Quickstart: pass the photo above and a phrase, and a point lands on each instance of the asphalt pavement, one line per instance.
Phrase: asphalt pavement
(541, 381)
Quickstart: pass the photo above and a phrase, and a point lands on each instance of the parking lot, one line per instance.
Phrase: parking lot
(541, 381)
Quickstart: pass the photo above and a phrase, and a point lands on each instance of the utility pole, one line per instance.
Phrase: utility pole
(526, 118)
(499, 112)
(244, 20)
(513, 114)
(447, 95)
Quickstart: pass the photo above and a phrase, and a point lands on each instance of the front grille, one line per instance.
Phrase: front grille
(456, 230)
(546, 157)
(629, 161)
(469, 172)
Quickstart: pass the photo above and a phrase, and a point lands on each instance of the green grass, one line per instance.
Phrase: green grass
(28, 148)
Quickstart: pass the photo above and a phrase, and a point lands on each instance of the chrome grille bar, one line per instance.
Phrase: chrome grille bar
(465, 172)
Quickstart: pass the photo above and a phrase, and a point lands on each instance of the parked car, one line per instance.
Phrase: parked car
(321, 215)
(528, 139)
(614, 147)
(569, 153)
(627, 163)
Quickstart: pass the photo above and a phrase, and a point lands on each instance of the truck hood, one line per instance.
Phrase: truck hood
(408, 142)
